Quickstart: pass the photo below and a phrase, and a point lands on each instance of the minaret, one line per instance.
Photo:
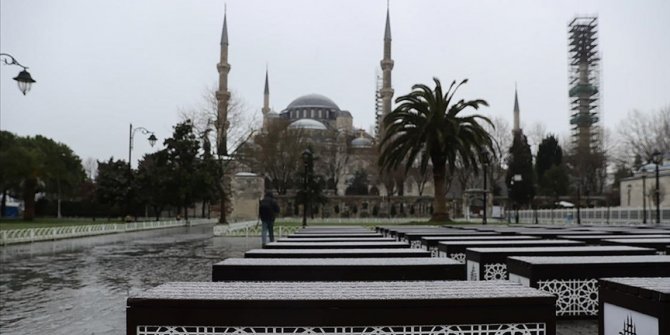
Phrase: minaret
(222, 94)
(386, 91)
(266, 98)
(516, 128)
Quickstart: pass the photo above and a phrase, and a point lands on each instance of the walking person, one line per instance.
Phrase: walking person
(267, 210)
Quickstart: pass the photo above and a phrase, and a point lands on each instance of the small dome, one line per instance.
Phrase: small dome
(313, 100)
(307, 124)
(361, 142)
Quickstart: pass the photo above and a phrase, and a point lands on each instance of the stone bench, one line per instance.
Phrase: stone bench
(456, 249)
(414, 238)
(335, 245)
(337, 269)
(399, 233)
(490, 263)
(660, 244)
(574, 279)
(337, 308)
(336, 253)
(558, 232)
(634, 306)
(430, 242)
(335, 234)
(597, 239)
(337, 239)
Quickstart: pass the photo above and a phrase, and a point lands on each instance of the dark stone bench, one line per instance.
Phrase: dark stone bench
(634, 306)
(335, 234)
(596, 239)
(660, 244)
(332, 308)
(574, 279)
(414, 238)
(335, 245)
(558, 232)
(456, 249)
(430, 242)
(337, 269)
(337, 239)
(491, 263)
(386, 230)
(335, 253)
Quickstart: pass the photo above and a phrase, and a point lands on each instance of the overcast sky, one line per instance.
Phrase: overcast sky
(101, 65)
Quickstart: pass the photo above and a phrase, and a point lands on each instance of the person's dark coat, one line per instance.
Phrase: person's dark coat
(268, 208)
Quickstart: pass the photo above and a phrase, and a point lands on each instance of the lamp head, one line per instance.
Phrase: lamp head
(152, 139)
(25, 81)
(657, 157)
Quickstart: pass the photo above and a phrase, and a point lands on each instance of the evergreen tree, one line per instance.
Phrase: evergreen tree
(549, 153)
(358, 185)
(182, 155)
(520, 162)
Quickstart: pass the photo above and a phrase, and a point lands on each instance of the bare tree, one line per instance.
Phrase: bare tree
(241, 122)
(640, 134)
(535, 134)
(334, 157)
(91, 167)
(502, 135)
(276, 154)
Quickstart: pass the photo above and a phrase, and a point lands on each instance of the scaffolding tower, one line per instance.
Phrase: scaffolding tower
(584, 84)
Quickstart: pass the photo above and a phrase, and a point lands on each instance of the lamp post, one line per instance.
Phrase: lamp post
(23, 79)
(307, 160)
(152, 140)
(644, 195)
(516, 179)
(485, 163)
(657, 158)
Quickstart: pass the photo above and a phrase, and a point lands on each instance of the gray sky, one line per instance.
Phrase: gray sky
(101, 65)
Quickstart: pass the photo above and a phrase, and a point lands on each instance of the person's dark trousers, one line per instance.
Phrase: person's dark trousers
(267, 230)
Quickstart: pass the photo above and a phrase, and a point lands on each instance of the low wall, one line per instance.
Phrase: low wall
(27, 235)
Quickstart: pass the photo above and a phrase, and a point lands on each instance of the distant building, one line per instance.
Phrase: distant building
(639, 190)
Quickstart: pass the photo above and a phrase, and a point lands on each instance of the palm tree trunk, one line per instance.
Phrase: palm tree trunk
(440, 212)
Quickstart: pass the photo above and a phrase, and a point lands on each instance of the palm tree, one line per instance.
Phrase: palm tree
(427, 126)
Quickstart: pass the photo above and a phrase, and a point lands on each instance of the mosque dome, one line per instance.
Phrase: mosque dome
(310, 124)
(361, 142)
(313, 101)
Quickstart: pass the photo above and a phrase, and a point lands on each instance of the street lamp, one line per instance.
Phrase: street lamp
(644, 194)
(657, 158)
(485, 162)
(24, 79)
(307, 160)
(517, 178)
(152, 140)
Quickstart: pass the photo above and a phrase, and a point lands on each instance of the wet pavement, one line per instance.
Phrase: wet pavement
(80, 286)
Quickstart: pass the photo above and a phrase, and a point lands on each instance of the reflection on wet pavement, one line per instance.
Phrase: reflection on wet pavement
(80, 286)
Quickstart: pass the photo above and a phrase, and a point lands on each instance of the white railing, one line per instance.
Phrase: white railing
(601, 215)
(54, 233)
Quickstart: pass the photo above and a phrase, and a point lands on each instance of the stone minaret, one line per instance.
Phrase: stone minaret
(222, 94)
(266, 100)
(516, 128)
(386, 91)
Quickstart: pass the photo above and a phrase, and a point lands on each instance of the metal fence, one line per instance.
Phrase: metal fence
(601, 215)
(54, 233)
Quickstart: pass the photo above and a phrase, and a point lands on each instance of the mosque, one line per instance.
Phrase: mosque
(325, 123)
